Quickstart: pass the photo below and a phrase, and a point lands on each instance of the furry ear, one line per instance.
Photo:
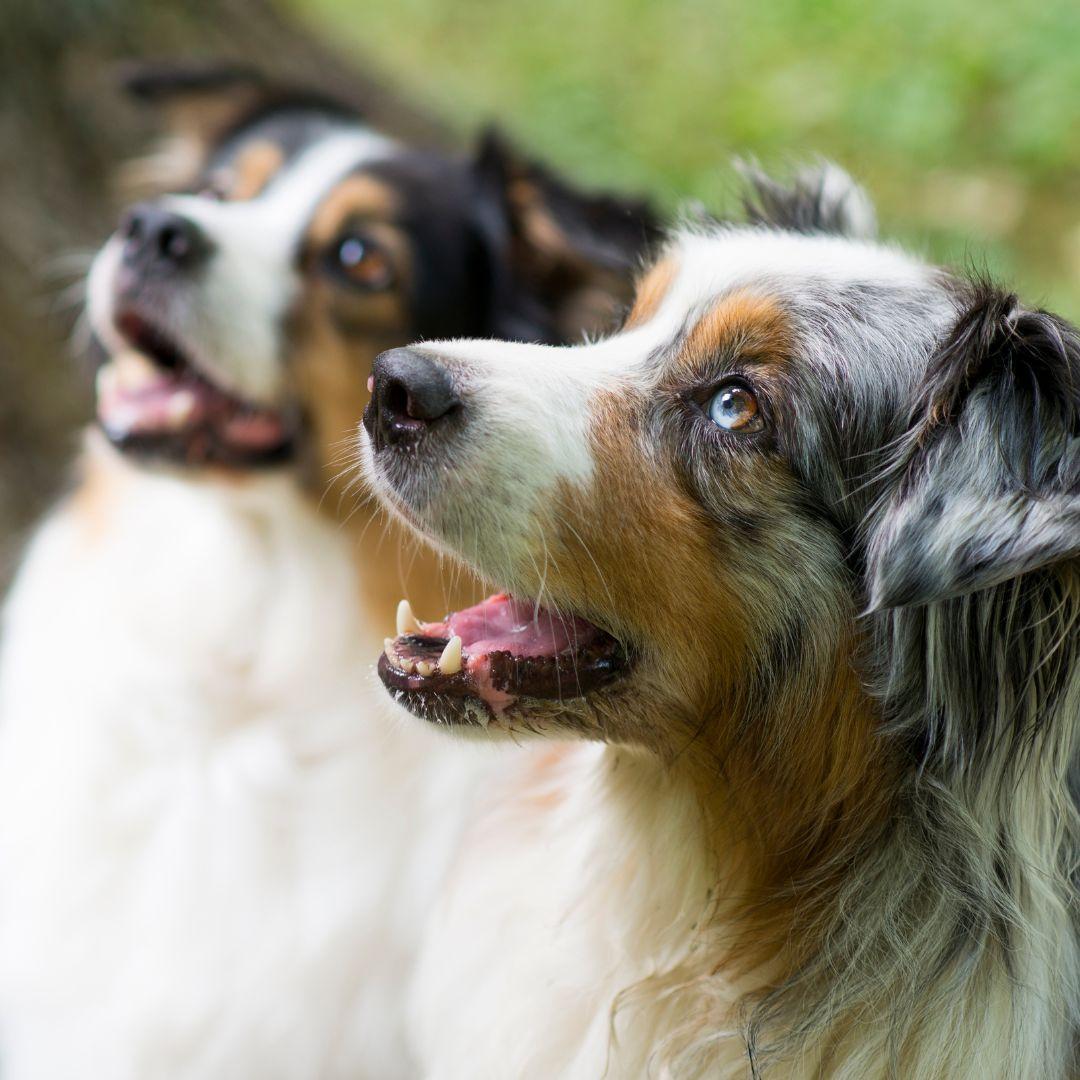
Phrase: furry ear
(197, 101)
(819, 198)
(198, 105)
(989, 488)
(571, 256)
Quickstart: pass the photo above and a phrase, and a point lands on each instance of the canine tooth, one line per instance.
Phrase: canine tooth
(388, 648)
(105, 379)
(424, 668)
(180, 406)
(407, 623)
(406, 665)
(450, 660)
(133, 370)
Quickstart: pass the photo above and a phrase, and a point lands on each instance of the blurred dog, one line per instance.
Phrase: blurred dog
(796, 552)
(214, 854)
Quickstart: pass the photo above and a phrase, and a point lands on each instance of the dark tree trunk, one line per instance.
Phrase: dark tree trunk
(64, 129)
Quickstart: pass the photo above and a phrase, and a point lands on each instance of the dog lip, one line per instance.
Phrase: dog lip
(181, 414)
(498, 662)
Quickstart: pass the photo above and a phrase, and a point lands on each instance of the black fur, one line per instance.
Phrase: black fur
(478, 273)
(809, 203)
(989, 486)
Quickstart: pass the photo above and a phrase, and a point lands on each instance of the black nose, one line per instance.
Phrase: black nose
(412, 393)
(157, 238)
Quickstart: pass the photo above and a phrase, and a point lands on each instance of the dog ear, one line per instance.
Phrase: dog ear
(820, 198)
(197, 101)
(569, 257)
(198, 104)
(989, 487)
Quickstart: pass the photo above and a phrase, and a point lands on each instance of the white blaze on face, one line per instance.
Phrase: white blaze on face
(230, 316)
(532, 408)
(539, 398)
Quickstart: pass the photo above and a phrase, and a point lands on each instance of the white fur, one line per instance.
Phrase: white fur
(550, 914)
(530, 433)
(573, 936)
(216, 842)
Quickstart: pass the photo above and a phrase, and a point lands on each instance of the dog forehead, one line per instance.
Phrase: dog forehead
(312, 175)
(743, 273)
(730, 257)
(291, 129)
(274, 220)
(868, 308)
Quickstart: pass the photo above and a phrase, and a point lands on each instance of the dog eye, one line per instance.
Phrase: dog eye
(362, 262)
(734, 408)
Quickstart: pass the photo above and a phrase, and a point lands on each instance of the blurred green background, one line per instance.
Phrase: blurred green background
(962, 117)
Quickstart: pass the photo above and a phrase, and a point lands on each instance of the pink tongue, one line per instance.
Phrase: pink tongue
(503, 624)
(160, 405)
(255, 430)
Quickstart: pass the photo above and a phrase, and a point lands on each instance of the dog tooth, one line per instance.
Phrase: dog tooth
(450, 661)
(105, 379)
(180, 407)
(407, 623)
(406, 665)
(133, 369)
(388, 648)
(424, 668)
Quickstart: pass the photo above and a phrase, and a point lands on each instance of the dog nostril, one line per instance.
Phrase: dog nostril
(395, 399)
(413, 393)
(174, 244)
(156, 238)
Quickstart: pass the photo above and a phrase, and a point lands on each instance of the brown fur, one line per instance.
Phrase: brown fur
(652, 289)
(590, 294)
(357, 197)
(253, 169)
(743, 324)
(330, 372)
(101, 483)
(637, 550)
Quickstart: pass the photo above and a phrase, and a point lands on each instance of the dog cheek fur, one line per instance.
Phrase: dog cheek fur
(329, 367)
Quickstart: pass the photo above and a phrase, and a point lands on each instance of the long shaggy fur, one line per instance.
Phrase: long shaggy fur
(834, 830)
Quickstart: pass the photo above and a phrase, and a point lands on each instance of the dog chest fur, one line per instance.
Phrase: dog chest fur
(187, 721)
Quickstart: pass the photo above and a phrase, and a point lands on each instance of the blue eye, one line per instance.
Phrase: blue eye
(734, 408)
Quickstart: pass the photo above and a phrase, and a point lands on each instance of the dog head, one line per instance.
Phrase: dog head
(241, 312)
(794, 424)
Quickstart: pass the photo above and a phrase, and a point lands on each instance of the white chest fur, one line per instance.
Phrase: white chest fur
(564, 942)
(215, 837)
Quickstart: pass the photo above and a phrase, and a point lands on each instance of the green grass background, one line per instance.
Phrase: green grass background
(962, 117)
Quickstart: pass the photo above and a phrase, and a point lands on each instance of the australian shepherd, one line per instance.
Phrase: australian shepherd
(791, 594)
(213, 852)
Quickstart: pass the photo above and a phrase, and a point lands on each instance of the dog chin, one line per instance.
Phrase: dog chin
(527, 718)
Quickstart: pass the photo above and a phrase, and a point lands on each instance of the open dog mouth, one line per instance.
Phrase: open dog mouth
(153, 399)
(493, 654)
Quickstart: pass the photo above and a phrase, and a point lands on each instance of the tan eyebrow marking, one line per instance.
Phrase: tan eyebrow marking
(651, 291)
(253, 168)
(355, 196)
(745, 321)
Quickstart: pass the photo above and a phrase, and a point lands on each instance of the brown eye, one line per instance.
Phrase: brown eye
(362, 262)
(734, 408)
